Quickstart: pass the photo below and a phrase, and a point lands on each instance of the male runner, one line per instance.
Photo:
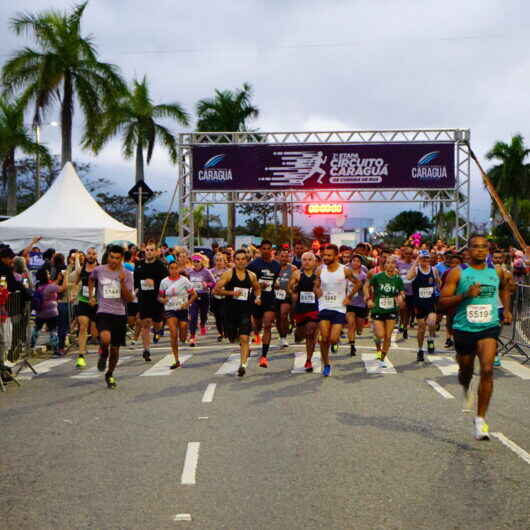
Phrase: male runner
(404, 265)
(283, 298)
(237, 285)
(475, 292)
(302, 287)
(147, 277)
(110, 287)
(331, 290)
(266, 270)
(357, 311)
(298, 251)
(425, 282)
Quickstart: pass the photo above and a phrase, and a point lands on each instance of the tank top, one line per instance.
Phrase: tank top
(424, 288)
(241, 303)
(283, 282)
(333, 286)
(307, 300)
(83, 292)
(481, 312)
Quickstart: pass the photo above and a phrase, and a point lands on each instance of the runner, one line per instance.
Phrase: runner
(202, 280)
(302, 287)
(147, 277)
(266, 271)
(425, 282)
(217, 304)
(110, 287)
(298, 250)
(384, 294)
(132, 307)
(177, 294)
(237, 284)
(407, 311)
(356, 312)
(86, 313)
(283, 298)
(331, 290)
(475, 292)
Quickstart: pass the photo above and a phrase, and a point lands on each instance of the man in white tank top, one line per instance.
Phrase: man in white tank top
(331, 290)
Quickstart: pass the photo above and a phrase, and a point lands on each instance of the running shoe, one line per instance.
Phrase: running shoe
(111, 381)
(353, 350)
(405, 333)
(192, 341)
(430, 346)
(382, 364)
(400, 329)
(220, 338)
(334, 348)
(174, 365)
(102, 362)
(284, 342)
(80, 363)
(241, 371)
(497, 361)
(308, 366)
(155, 337)
(133, 342)
(203, 330)
(449, 343)
(263, 362)
(257, 339)
(378, 356)
(326, 372)
(420, 357)
(481, 429)
(147, 356)
(468, 398)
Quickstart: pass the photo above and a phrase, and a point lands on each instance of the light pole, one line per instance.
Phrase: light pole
(37, 127)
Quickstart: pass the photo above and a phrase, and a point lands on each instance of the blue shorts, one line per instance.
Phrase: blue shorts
(181, 314)
(335, 317)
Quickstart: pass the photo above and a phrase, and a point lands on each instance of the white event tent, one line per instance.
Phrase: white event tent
(66, 217)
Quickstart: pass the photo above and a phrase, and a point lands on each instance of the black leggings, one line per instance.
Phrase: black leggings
(218, 307)
(199, 307)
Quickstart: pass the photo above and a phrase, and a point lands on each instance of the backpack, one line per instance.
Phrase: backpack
(37, 300)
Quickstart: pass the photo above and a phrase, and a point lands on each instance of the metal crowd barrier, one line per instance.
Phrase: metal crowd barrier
(519, 339)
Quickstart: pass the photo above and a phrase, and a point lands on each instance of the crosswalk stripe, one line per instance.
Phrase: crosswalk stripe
(372, 365)
(162, 366)
(42, 368)
(230, 366)
(444, 363)
(516, 368)
(93, 372)
(299, 361)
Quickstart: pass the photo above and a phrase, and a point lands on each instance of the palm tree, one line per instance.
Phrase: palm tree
(13, 136)
(511, 178)
(227, 111)
(133, 115)
(64, 66)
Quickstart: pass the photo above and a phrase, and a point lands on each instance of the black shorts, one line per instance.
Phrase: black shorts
(86, 310)
(51, 323)
(360, 312)
(384, 316)
(132, 309)
(237, 324)
(466, 341)
(116, 324)
(334, 317)
(152, 310)
(181, 314)
(409, 301)
(266, 306)
(423, 311)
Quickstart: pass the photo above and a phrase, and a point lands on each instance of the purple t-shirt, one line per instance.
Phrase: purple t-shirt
(357, 299)
(404, 269)
(198, 277)
(49, 301)
(108, 293)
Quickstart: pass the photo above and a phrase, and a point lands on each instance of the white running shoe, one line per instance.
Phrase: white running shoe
(382, 364)
(481, 429)
(284, 342)
(468, 398)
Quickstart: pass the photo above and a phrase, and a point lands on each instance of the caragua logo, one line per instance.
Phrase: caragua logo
(424, 169)
(212, 173)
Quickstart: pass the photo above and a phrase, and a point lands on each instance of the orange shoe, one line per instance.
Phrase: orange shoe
(257, 339)
(308, 366)
(263, 362)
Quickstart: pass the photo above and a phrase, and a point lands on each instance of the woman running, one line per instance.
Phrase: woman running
(357, 311)
(217, 302)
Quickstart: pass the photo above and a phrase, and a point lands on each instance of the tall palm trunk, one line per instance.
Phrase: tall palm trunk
(231, 220)
(11, 171)
(139, 175)
(67, 109)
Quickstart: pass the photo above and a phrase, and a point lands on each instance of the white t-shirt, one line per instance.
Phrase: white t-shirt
(177, 292)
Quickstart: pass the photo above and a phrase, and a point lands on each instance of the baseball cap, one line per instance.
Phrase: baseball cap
(424, 254)
(196, 257)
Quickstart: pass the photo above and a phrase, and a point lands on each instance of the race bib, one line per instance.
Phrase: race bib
(307, 297)
(175, 303)
(479, 314)
(218, 297)
(197, 285)
(426, 292)
(281, 294)
(331, 297)
(112, 290)
(242, 295)
(144, 285)
(267, 284)
(84, 291)
(386, 302)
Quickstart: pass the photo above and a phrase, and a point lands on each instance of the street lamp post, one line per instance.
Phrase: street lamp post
(37, 127)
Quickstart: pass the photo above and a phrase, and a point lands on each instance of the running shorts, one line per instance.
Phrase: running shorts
(335, 317)
(303, 318)
(237, 324)
(360, 312)
(466, 341)
(153, 310)
(181, 314)
(384, 316)
(87, 310)
(423, 311)
(132, 309)
(116, 324)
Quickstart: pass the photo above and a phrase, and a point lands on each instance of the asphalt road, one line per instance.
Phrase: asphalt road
(274, 450)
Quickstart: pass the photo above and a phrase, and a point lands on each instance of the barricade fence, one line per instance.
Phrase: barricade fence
(519, 338)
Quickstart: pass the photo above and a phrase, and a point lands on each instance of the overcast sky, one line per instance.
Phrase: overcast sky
(318, 65)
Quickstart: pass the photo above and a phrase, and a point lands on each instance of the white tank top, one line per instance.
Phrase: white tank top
(333, 286)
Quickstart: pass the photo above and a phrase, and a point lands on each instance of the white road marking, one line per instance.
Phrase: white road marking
(190, 463)
(440, 389)
(230, 366)
(516, 368)
(92, 373)
(182, 517)
(372, 365)
(203, 417)
(444, 363)
(519, 451)
(208, 393)
(42, 368)
(162, 366)
(299, 361)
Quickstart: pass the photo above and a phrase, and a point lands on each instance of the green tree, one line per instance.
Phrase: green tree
(511, 177)
(408, 222)
(228, 110)
(282, 234)
(320, 233)
(64, 69)
(15, 136)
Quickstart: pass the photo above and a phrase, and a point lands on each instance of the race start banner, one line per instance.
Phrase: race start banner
(323, 166)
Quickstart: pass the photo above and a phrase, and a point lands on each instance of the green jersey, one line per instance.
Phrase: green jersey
(386, 288)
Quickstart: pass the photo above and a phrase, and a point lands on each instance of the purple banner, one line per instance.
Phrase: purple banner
(323, 166)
